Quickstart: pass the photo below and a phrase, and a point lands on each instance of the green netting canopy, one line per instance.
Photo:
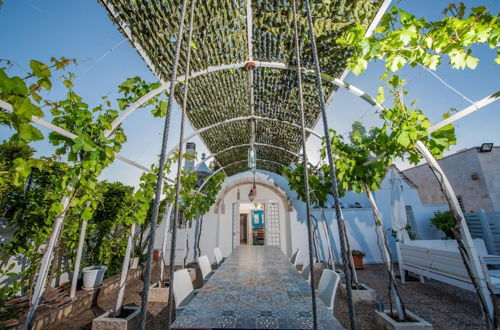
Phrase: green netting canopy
(221, 48)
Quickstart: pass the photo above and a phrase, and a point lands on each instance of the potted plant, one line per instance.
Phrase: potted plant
(93, 276)
(357, 257)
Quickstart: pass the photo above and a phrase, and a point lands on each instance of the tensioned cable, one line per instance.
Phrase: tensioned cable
(305, 162)
(161, 167)
(109, 51)
(442, 81)
(173, 238)
(333, 178)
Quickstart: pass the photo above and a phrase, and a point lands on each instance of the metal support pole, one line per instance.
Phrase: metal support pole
(333, 177)
(469, 253)
(171, 305)
(305, 175)
(125, 267)
(45, 264)
(161, 167)
(78, 259)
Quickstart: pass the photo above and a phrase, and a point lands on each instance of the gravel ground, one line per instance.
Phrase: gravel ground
(442, 305)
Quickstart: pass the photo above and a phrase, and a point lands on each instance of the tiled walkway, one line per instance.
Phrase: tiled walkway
(256, 287)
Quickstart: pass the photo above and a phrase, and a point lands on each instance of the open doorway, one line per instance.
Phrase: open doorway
(252, 224)
(243, 228)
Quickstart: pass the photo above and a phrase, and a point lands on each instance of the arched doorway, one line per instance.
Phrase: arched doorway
(265, 220)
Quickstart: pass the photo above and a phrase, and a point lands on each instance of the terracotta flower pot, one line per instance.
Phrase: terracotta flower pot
(358, 262)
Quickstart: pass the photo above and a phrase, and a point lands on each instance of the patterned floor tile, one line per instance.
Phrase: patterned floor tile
(266, 323)
(256, 287)
(225, 322)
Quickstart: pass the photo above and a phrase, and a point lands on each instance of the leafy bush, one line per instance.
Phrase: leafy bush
(445, 222)
(108, 228)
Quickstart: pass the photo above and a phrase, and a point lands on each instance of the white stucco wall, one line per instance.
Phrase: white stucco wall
(217, 228)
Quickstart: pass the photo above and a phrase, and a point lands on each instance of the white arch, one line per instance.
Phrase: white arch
(274, 65)
(234, 163)
(246, 145)
(201, 130)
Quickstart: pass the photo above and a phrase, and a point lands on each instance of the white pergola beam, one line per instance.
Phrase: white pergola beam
(7, 106)
(201, 130)
(263, 64)
(234, 163)
(245, 145)
(465, 112)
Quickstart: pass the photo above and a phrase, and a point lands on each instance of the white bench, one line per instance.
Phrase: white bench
(441, 261)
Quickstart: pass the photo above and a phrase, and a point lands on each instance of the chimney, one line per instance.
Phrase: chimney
(191, 149)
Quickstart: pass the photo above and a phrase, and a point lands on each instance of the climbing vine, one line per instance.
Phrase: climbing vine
(86, 154)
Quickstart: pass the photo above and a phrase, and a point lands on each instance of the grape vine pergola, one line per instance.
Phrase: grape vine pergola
(233, 68)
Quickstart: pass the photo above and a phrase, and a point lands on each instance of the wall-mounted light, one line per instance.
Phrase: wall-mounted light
(486, 147)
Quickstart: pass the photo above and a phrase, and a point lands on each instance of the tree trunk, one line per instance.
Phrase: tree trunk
(331, 260)
(39, 289)
(125, 266)
(187, 250)
(466, 247)
(78, 259)
(199, 237)
(386, 254)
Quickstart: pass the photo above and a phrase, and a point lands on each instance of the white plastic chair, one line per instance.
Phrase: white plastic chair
(306, 271)
(295, 257)
(218, 256)
(182, 287)
(327, 287)
(206, 269)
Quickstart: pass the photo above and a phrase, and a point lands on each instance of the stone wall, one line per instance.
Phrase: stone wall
(474, 175)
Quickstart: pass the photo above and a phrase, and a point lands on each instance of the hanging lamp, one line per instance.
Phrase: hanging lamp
(253, 191)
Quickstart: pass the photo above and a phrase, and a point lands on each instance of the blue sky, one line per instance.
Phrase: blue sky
(40, 29)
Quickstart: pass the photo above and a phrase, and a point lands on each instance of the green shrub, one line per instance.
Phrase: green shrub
(445, 222)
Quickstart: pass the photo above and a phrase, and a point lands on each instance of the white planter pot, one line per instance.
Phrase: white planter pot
(366, 294)
(385, 322)
(93, 276)
(134, 263)
(158, 294)
(129, 320)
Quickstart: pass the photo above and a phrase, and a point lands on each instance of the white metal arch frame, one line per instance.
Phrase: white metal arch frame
(234, 163)
(263, 64)
(246, 145)
(201, 130)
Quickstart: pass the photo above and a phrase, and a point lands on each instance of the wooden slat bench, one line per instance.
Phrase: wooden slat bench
(441, 261)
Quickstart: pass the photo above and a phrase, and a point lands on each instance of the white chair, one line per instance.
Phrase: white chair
(182, 287)
(218, 256)
(328, 287)
(306, 271)
(206, 269)
(295, 257)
